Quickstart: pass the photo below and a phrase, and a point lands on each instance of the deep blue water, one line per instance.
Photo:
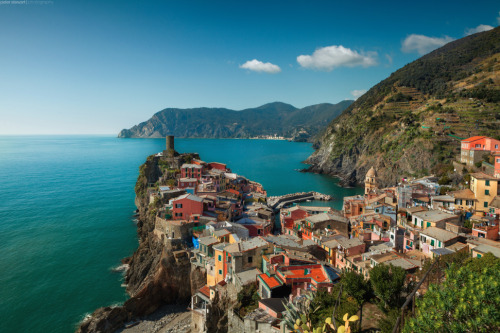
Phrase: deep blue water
(66, 206)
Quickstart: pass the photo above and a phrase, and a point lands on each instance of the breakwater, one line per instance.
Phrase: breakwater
(278, 202)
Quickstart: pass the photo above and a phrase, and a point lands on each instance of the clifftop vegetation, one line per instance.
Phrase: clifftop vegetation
(412, 122)
(270, 119)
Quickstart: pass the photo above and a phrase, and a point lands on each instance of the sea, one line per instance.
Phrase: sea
(67, 215)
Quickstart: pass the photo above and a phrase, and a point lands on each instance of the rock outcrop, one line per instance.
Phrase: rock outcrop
(155, 276)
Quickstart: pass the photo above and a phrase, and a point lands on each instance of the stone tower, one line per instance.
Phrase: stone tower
(371, 181)
(170, 146)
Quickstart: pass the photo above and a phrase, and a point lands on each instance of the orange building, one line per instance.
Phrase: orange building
(473, 149)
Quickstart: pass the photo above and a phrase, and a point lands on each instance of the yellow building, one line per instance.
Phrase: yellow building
(485, 188)
(370, 181)
(219, 262)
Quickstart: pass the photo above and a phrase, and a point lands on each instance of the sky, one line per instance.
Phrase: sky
(96, 67)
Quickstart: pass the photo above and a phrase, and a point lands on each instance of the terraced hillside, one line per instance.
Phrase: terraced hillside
(411, 123)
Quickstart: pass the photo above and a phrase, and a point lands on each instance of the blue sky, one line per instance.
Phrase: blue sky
(95, 67)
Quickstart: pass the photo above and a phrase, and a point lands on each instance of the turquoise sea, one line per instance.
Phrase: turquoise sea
(66, 215)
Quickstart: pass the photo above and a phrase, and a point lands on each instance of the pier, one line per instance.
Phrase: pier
(278, 202)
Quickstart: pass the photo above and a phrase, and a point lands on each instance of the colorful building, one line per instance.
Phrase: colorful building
(185, 206)
(473, 149)
(191, 171)
(485, 188)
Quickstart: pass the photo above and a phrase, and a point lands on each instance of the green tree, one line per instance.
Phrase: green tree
(357, 287)
(467, 301)
(388, 282)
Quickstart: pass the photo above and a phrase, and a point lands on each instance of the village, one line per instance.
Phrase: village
(224, 224)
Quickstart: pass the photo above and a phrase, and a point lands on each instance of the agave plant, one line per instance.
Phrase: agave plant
(298, 318)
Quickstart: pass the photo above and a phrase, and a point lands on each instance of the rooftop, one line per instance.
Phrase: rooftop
(466, 194)
(484, 248)
(322, 217)
(314, 272)
(248, 276)
(434, 215)
(261, 316)
(439, 234)
(189, 197)
(221, 233)
(482, 175)
(474, 138)
(194, 166)
(205, 291)
(208, 240)
(270, 281)
(275, 304)
(495, 203)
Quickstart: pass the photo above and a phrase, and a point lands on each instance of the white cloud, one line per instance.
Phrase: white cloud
(259, 66)
(358, 93)
(327, 58)
(423, 44)
(479, 28)
(389, 59)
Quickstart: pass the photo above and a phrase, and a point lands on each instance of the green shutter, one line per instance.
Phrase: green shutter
(432, 242)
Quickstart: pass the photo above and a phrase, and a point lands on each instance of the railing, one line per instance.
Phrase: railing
(410, 300)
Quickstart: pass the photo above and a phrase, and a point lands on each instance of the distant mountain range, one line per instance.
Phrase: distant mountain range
(411, 123)
(267, 120)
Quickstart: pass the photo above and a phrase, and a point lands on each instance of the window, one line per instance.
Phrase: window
(478, 255)
(486, 192)
(428, 224)
(496, 146)
(220, 271)
(178, 205)
(220, 257)
(432, 242)
(250, 259)
(487, 183)
(485, 204)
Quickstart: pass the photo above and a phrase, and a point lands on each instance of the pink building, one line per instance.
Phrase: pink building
(191, 171)
(185, 206)
(473, 149)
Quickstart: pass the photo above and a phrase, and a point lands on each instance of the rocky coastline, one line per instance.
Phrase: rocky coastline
(154, 277)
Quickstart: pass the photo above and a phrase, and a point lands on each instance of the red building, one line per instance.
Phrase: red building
(217, 165)
(191, 171)
(188, 183)
(185, 206)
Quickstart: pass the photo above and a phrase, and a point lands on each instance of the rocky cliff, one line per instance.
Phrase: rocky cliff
(271, 119)
(155, 276)
(411, 123)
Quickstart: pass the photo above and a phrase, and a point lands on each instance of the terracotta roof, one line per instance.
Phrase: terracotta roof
(205, 291)
(271, 282)
(315, 272)
(473, 138)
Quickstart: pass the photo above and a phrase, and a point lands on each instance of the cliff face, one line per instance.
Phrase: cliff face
(270, 119)
(155, 276)
(411, 123)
